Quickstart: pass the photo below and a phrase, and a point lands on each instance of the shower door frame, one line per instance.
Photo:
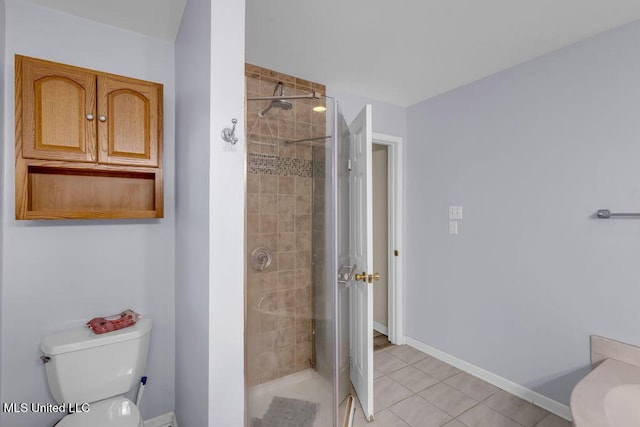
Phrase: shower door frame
(332, 272)
(330, 337)
(334, 161)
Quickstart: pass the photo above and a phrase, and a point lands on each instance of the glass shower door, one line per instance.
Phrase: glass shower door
(324, 219)
(291, 306)
(331, 255)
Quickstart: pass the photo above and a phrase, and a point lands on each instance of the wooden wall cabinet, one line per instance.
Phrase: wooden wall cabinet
(88, 144)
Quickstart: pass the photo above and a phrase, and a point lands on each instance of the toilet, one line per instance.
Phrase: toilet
(97, 371)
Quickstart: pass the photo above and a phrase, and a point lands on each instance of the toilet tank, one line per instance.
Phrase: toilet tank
(86, 367)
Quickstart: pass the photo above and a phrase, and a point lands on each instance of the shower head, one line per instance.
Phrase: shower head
(281, 104)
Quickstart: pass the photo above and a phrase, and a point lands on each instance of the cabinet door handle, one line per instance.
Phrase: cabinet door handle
(90, 117)
(102, 118)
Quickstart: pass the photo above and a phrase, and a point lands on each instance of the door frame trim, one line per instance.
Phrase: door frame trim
(395, 220)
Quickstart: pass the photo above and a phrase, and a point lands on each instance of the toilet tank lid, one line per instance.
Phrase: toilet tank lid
(83, 338)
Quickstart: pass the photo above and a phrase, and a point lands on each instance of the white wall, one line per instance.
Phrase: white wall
(210, 210)
(193, 136)
(227, 217)
(2, 32)
(59, 274)
(530, 153)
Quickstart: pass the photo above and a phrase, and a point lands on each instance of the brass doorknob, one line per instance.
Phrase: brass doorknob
(362, 277)
(374, 277)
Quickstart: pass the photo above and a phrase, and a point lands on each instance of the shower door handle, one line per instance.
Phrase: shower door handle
(345, 273)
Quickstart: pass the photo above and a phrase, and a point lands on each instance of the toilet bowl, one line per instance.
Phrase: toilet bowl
(91, 374)
(116, 412)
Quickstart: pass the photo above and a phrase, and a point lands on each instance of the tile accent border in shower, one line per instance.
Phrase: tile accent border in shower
(275, 165)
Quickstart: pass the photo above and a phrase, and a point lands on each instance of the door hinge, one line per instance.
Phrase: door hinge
(348, 164)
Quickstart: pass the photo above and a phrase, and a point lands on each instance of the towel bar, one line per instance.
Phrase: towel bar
(606, 213)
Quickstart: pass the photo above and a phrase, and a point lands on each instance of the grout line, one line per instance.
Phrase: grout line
(464, 412)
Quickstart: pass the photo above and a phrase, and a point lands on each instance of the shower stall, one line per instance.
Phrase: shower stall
(296, 355)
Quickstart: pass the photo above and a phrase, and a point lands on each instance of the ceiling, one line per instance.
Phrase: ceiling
(156, 18)
(401, 52)
(404, 52)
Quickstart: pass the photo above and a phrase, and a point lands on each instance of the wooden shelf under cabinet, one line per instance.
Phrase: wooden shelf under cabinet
(62, 190)
(88, 143)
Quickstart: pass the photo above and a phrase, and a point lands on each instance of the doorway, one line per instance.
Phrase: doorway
(380, 174)
(387, 242)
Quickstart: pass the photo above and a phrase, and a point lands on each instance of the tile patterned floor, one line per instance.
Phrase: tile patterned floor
(417, 390)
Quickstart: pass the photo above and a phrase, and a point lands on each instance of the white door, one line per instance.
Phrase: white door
(361, 253)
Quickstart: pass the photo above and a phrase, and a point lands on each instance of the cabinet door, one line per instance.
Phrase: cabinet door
(129, 121)
(58, 110)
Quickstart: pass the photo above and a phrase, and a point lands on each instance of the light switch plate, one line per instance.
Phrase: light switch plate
(455, 212)
(453, 227)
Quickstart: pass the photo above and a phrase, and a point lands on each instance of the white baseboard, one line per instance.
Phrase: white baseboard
(380, 328)
(166, 420)
(524, 393)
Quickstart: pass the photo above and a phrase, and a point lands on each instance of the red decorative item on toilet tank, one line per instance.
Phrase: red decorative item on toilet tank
(101, 325)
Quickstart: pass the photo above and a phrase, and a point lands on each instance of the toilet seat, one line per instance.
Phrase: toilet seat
(115, 412)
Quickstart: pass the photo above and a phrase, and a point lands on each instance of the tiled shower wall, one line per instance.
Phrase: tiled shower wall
(279, 217)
